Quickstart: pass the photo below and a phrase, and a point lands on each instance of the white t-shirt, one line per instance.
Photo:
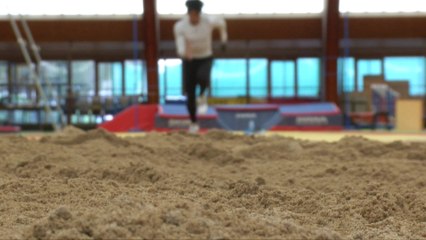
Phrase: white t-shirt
(196, 40)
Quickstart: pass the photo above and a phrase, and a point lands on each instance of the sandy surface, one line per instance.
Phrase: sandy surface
(94, 185)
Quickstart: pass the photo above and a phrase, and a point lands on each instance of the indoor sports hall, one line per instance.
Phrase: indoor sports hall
(212, 119)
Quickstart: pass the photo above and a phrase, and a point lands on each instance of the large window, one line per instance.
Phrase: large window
(54, 78)
(3, 72)
(23, 87)
(245, 7)
(3, 79)
(346, 74)
(283, 78)
(83, 78)
(110, 79)
(367, 67)
(75, 7)
(229, 78)
(170, 75)
(388, 6)
(308, 77)
(411, 69)
(135, 78)
(288, 82)
(258, 78)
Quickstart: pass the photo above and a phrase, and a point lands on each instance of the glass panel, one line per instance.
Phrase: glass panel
(4, 93)
(308, 76)
(110, 79)
(258, 77)
(411, 69)
(54, 78)
(24, 91)
(245, 7)
(346, 74)
(136, 81)
(3, 80)
(367, 67)
(170, 75)
(3, 72)
(83, 78)
(229, 78)
(283, 78)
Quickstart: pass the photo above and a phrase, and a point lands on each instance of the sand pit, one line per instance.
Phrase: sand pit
(94, 185)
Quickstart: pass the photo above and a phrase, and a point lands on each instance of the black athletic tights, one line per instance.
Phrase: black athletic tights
(196, 72)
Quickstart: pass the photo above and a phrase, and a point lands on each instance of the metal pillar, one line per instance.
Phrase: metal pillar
(151, 39)
(331, 49)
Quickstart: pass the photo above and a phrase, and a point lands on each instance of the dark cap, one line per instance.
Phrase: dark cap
(196, 5)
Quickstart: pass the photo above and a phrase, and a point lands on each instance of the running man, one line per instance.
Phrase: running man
(193, 36)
